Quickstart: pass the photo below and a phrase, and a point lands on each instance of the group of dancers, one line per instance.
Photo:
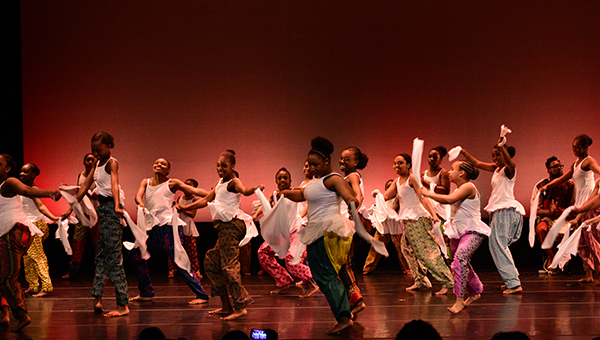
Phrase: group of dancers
(314, 226)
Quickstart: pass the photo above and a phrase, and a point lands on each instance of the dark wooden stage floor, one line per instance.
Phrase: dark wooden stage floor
(556, 307)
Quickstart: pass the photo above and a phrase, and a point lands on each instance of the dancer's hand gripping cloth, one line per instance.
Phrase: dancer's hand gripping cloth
(453, 153)
(145, 221)
(62, 232)
(553, 232)
(504, 130)
(417, 154)
(276, 223)
(84, 210)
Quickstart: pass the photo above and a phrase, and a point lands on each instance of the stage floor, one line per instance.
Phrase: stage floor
(551, 307)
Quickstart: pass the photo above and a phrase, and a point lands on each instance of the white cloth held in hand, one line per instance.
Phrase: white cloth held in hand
(62, 233)
(84, 210)
(504, 130)
(276, 223)
(360, 230)
(417, 154)
(567, 248)
(453, 153)
(532, 218)
(553, 232)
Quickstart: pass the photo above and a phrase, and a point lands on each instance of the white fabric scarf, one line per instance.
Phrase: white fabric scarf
(532, 218)
(84, 210)
(276, 223)
(553, 232)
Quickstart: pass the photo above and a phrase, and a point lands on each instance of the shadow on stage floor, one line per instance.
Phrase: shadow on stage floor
(551, 307)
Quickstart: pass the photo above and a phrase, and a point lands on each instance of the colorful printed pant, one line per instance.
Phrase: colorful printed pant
(109, 259)
(327, 279)
(191, 248)
(374, 257)
(222, 265)
(348, 279)
(35, 262)
(160, 238)
(506, 225)
(465, 279)
(266, 258)
(589, 245)
(13, 247)
(79, 240)
(423, 254)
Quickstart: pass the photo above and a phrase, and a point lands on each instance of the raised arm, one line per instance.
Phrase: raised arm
(296, 194)
(558, 181)
(236, 185)
(591, 164)
(16, 187)
(465, 191)
(477, 163)
(510, 166)
(413, 183)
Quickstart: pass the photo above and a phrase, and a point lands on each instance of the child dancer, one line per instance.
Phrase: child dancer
(419, 248)
(81, 233)
(582, 173)
(190, 232)
(392, 231)
(157, 194)
(221, 264)
(16, 232)
(465, 230)
(506, 213)
(109, 259)
(438, 176)
(266, 254)
(35, 261)
(352, 160)
(328, 235)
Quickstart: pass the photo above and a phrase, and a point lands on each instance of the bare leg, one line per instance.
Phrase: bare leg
(513, 290)
(98, 305)
(312, 288)
(24, 320)
(458, 305)
(472, 299)
(120, 311)
(4, 317)
(358, 307)
(226, 309)
(343, 324)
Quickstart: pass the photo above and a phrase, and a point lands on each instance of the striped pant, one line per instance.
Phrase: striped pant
(506, 225)
(13, 246)
(35, 262)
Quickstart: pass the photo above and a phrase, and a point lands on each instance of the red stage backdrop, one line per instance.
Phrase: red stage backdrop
(186, 80)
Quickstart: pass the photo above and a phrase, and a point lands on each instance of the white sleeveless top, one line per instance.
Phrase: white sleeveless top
(361, 210)
(11, 213)
(584, 183)
(158, 200)
(410, 206)
(31, 210)
(323, 212)
(440, 209)
(466, 217)
(103, 182)
(502, 196)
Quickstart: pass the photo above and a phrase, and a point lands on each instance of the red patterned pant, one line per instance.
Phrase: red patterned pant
(266, 257)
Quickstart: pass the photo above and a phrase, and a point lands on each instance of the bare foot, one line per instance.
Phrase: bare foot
(140, 298)
(472, 299)
(513, 290)
(312, 288)
(4, 317)
(23, 321)
(458, 306)
(66, 277)
(98, 306)
(586, 279)
(197, 302)
(40, 294)
(236, 314)
(300, 284)
(442, 291)
(366, 272)
(171, 274)
(120, 311)
(343, 324)
(358, 307)
(280, 289)
(220, 311)
(198, 275)
(416, 286)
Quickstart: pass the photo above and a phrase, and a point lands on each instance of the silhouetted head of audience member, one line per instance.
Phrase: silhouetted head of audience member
(235, 335)
(418, 330)
(515, 335)
(152, 333)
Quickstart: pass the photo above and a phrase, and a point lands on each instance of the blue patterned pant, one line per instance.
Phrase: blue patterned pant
(506, 227)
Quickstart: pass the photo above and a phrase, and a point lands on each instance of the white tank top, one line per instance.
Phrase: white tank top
(584, 183)
(440, 209)
(102, 179)
(502, 196)
(323, 212)
(159, 201)
(31, 210)
(410, 206)
(11, 213)
(465, 217)
(344, 207)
